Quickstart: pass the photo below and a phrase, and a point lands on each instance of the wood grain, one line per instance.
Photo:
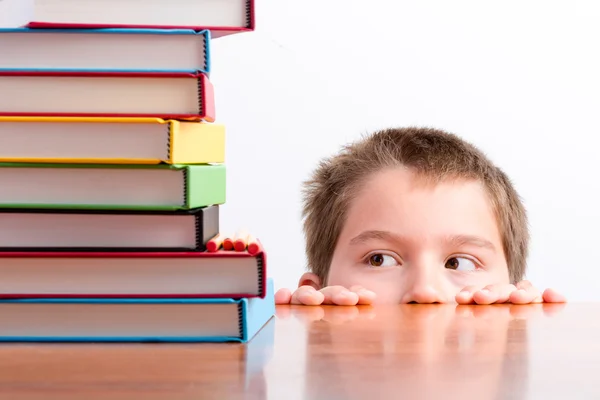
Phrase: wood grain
(384, 352)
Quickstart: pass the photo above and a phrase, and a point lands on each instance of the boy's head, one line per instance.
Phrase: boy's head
(414, 214)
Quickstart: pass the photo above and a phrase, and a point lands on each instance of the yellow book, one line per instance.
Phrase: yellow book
(110, 141)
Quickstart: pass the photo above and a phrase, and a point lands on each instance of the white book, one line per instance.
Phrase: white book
(176, 96)
(221, 17)
(127, 50)
(110, 141)
(115, 230)
(141, 274)
(111, 186)
(135, 320)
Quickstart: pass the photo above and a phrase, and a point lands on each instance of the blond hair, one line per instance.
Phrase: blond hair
(431, 153)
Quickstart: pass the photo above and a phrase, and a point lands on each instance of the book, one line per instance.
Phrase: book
(107, 230)
(106, 94)
(221, 17)
(103, 274)
(111, 186)
(112, 50)
(110, 140)
(135, 320)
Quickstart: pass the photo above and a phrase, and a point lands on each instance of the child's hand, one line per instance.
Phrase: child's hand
(337, 295)
(523, 293)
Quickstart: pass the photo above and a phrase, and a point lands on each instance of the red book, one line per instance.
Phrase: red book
(103, 274)
(107, 94)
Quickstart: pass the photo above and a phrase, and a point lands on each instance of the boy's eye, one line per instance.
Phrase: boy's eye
(381, 260)
(460, 264)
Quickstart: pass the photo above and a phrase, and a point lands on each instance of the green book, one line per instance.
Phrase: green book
(111, 186)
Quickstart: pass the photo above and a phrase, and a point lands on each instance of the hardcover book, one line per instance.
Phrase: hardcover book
(107, 94)
(111, 186)
(221, 17)
(135, 320)
(103, 274)
(105, 50)
(110, 140)
(107, 230)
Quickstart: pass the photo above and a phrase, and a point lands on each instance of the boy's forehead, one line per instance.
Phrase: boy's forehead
(399, 197)
(402, 180)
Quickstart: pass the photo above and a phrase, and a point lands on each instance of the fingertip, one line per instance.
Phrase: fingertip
(464, 297)
(552, 296)
(345, 298)
(484, 297)
(311, 298)
(520, 296)
(283, 296)
(366, 297)
(304, 295)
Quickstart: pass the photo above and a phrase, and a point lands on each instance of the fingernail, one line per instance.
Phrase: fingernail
(347, 295)
(366, 292)
(485, 291)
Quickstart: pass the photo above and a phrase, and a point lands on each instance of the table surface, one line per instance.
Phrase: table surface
(384, 352)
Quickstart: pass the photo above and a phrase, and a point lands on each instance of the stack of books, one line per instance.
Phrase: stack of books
(112, 172)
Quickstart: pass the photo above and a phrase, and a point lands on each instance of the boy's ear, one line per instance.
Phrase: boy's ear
(310, 279)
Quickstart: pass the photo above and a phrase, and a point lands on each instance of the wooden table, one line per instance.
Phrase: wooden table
(399, 352)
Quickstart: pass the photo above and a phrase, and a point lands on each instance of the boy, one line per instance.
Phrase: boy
(413, 215)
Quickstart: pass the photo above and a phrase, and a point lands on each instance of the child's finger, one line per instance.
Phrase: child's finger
(365, 296)
(491, 294)
(339, 295)
(283, 296)
(485, 296)
(526, 296)
(308, 296)
(465, 296)
(552, 296)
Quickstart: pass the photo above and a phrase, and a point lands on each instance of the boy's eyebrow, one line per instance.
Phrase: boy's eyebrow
(375, 235)
(461, 240)
(455, 240)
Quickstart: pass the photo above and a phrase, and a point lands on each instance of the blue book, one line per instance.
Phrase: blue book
(135, 320)
(105, 50)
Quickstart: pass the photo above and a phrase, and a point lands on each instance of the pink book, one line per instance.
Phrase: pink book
(151, 274)
(107, 94)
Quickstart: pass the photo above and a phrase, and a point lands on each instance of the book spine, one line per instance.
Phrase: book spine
(206, 99)
(186, 188)
(261, 267)
(206, 46)
(169, 155)
(207, 225)
(250, 19)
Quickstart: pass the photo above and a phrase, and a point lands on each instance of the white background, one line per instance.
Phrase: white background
(518, 78)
